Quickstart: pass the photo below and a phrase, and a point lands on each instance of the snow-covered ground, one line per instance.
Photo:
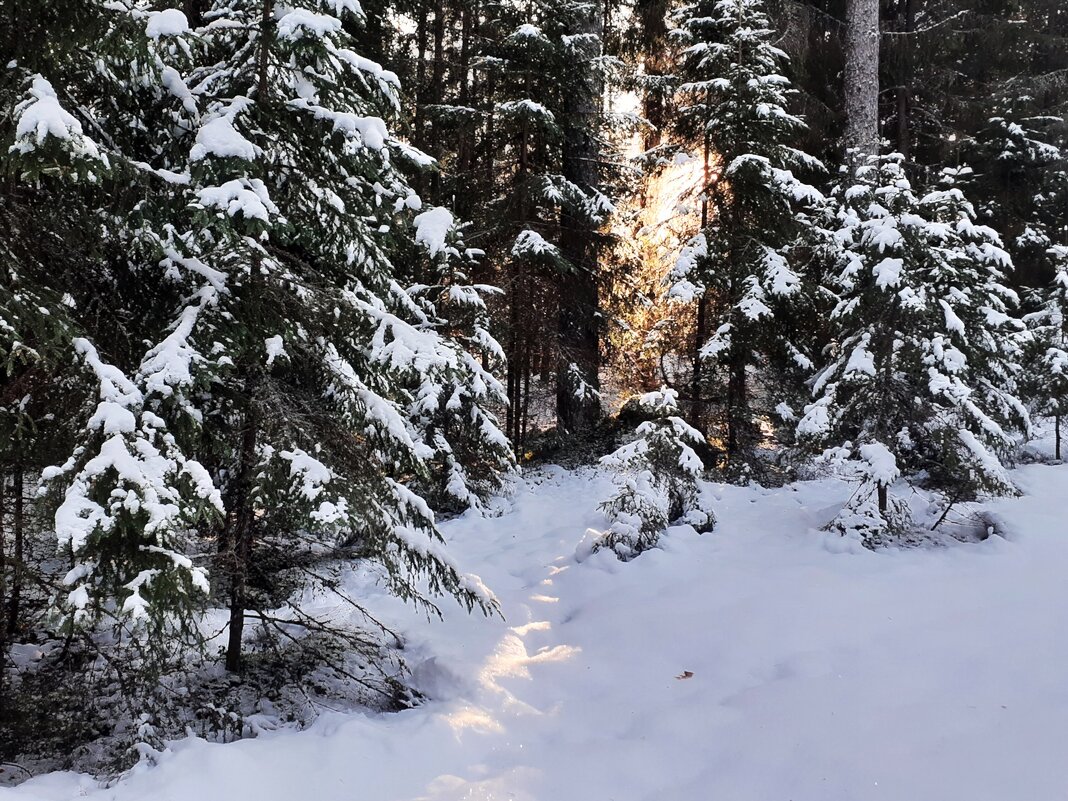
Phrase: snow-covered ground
(764, 661)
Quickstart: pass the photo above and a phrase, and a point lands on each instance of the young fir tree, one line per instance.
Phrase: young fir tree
(307, 361)
(658, 475)
(923, 373)
(214, 331)
(744, 267)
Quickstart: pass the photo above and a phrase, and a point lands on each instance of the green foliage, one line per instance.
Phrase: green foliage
(927, 351)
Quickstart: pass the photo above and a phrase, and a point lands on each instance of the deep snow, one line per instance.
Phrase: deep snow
(765, 661)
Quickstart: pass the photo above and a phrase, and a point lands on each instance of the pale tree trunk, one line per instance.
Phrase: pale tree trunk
(578, 406)
(862, 79)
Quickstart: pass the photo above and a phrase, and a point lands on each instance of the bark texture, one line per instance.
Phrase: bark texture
(862, 78)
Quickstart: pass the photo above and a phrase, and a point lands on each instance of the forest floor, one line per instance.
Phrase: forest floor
(764, 661)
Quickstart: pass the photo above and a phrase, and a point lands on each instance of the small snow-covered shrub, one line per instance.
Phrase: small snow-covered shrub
(657, 482)
(872, 515)
(862, 519)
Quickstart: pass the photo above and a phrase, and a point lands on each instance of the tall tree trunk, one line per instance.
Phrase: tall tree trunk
(4, 630)
(239, 539)
(436, 96)
(519, 307)
(527, 370)
(737, 410)
(18, 531)
(862, 79)
(421, 44)
(265, 49)
(465, 145)
(578, 404)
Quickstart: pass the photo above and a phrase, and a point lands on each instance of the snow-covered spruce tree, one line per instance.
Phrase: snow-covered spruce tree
(578, 362)
(923, 372)
(743, 268)
(315, 352)
(471, 454)
(657, 477)
(35, 334)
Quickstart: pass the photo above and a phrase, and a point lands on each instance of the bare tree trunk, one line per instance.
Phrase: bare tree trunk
(525, 419)
(240, 540)
(519, 303)
(862, 79)
(265, 47)
(422, 41)
(518, 345)
(654, 31)
(737, 411)
(697, 403)
(436, 96)
(18, 530)
(4, 631)
(578, 405)
(465, 146)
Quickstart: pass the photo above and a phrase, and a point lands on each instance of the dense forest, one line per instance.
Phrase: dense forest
(283, 285)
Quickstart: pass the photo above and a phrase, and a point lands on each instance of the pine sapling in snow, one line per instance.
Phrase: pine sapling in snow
(657, 475)
(872, 514)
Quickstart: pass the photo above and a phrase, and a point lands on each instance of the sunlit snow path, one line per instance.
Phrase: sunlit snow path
(813, 675)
